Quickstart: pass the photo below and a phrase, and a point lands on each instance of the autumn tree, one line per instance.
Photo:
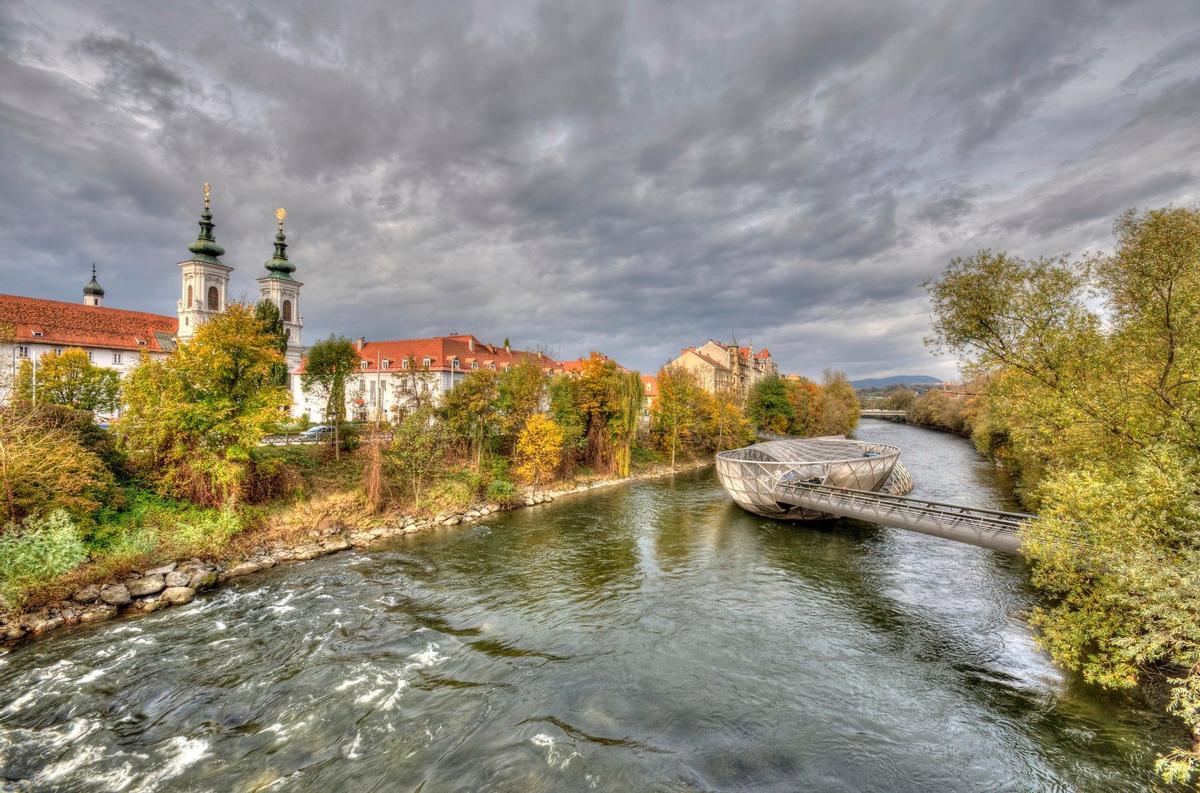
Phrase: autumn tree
(1099, 415)
(69, 378)
(678, 415)
(327, 366)
(839, 404)
(414, 386)
(539, 449)
(194, 420)
(808, 407)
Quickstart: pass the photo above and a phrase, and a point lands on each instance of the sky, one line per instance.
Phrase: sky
(625, 177)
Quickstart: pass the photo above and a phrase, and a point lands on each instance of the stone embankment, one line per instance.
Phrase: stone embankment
(176, 583)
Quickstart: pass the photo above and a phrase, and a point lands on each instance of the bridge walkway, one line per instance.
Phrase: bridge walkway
(988, 528)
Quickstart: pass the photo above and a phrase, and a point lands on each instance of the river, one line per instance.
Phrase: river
(644, 637)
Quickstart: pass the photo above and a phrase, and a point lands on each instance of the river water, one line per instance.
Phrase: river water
(645, 637)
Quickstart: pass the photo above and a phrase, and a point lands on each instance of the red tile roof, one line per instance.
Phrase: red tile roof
(76, 325)
(763, 354)
(650, 385)
(441, 351)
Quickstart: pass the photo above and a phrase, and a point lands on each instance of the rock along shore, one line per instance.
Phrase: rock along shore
(176, 583)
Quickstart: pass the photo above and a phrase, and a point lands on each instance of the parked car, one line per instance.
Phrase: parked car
(319, 432)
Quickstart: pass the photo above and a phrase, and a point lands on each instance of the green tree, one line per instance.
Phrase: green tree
(69, 378)
(1100, 418)
(471, 411)
(521, 388)
(562, 392)
(268, 316)
(419, 448)
(327, 366)
(769, 407)
(194, 420)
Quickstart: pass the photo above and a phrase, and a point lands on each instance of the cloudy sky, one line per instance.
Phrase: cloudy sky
(595, 175)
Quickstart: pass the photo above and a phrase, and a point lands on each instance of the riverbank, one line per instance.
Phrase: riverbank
(176, 582)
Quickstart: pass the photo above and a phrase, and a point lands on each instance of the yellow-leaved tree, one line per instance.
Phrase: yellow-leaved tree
(539, 449)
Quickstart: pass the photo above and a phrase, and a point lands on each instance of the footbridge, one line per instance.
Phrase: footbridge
(821, 478)
(987, 528)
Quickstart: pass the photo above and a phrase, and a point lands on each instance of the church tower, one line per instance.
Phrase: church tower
(204, 279)
(278, 287)
(93, 295)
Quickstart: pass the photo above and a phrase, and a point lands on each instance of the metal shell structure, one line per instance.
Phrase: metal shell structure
(750, 474)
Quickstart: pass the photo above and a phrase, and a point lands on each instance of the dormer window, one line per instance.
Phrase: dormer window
(426, 362)
(474, 364)
(38, 333)
(363, 365)
(454, 364)
(404, 363)
(140, 342)
(387, 364)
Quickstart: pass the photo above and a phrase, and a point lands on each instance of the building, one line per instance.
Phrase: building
(399, 375)
(726, 368)
(115, 338)
(649, 393)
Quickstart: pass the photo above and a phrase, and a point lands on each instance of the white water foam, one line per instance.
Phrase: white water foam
(181, 753)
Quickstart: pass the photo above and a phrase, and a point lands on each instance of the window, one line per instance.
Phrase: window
(492, 365)
(214, 299)
(454, 364)
(189, 304)
(116, 357)
(287, 311)
(474, 364)
(404, 364)
(91, 357)
(426, 362)
(58, 350)
(22, 351)
(363, 365)
(387, 364)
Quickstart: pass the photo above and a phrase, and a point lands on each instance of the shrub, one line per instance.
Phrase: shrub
(502, 492)
(36, 551)
(450, 495)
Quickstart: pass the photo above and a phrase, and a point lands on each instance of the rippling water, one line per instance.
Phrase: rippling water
(648, 637)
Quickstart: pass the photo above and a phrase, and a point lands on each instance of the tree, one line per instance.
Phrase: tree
(609, 401)
(327, 365)
(69, 378)
(839, 404)
(562, 393)
(1099, 416)
(808, 407)
(194, 420)
(769, 407)
(728, 427)
(539, 448)
(415, 387)
(470, 411)
(900, 398)
(44, 466)
(678, 416)
(418, 448)
(268, 316)
(520, 394)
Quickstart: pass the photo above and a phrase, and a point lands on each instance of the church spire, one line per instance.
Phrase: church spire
(92, 293)
(205, 248)
(278, 265)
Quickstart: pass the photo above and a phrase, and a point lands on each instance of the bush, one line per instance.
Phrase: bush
(502, 492)
(450, 495)
(36, 551)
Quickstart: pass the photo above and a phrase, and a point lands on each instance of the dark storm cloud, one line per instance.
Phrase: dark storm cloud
(632, 177)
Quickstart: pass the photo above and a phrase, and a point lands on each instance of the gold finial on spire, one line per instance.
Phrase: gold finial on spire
(207, 194)
(280, 214)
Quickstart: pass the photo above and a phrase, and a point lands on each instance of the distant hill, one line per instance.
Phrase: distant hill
(898, 379)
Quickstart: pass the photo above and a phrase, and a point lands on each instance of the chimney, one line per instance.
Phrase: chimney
(471, 343)
(506, 347)
(362, 342)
